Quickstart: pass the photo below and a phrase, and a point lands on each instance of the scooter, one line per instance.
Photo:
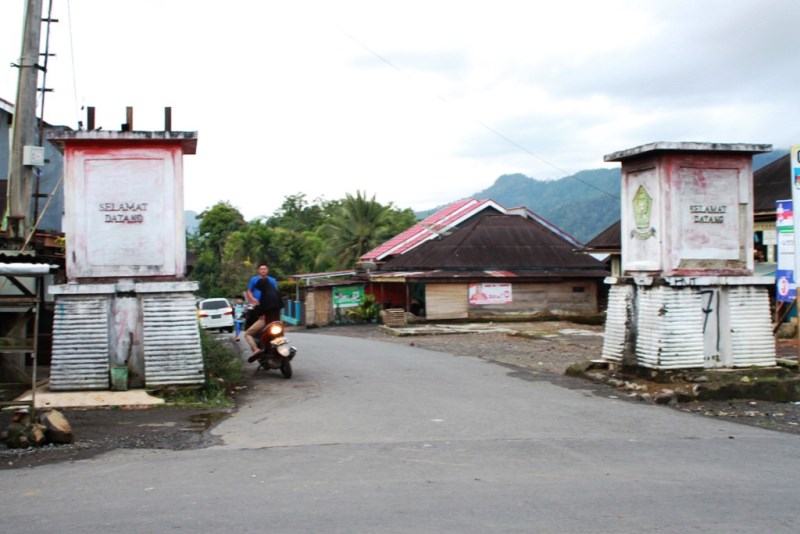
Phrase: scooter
(275, 353)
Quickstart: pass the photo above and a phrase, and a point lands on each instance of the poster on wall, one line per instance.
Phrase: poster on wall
(347, 296)
(480, 294)
(785, 288)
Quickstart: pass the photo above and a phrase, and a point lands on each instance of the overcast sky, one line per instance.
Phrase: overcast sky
(416, 102)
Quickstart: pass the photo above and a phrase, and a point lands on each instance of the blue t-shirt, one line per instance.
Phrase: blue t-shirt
(257, 292)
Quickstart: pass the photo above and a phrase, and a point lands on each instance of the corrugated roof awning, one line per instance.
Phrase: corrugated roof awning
(26, 269)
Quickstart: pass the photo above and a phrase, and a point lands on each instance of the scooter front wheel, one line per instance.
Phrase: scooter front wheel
(286, 369)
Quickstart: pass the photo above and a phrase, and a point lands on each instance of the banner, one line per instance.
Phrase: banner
(347, 296)
(785, 287)
(794, 159)
(489, 294)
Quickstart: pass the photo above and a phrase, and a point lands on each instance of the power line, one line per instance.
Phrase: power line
(479, 122)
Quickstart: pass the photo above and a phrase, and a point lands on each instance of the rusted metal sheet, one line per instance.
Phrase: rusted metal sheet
(670, 328)
(172, 352)
(619, 298)
(752, 343)
(80, 343)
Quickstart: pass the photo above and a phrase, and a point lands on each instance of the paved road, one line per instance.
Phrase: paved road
(374, 437)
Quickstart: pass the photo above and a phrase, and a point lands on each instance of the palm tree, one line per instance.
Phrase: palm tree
(356, 226)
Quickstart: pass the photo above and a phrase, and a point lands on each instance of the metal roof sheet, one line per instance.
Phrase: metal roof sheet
(609, 240)
(770, 183)
(446, 220)
(496, 243)
(426, 229)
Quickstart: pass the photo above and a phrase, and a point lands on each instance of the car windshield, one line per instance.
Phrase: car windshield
(213, 305)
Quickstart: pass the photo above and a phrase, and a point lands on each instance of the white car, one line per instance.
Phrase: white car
(215, 313)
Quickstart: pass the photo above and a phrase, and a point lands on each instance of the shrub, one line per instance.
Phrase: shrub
(223, 369)
(366, 311)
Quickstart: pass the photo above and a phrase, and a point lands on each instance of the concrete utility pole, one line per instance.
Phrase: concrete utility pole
(21, 177)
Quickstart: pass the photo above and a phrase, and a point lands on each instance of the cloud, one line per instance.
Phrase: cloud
(419, 103)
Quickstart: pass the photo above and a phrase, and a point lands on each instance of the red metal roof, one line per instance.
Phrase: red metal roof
(426, 229)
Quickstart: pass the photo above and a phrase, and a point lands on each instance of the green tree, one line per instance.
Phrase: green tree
(355, 226)
(216, 224)
(298, 215)
(207, 272)
(244, 251)
(301, 237)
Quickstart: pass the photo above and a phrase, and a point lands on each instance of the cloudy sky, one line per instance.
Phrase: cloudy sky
(416, 102)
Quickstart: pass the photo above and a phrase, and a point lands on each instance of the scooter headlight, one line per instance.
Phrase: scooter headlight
(275, 329)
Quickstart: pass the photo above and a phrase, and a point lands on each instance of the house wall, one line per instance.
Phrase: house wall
(48, 183)
(5, 143)
(389, 294)
(567, 297)
(319, 306)
(446, 301)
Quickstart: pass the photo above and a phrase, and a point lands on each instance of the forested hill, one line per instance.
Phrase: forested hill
(583, 204)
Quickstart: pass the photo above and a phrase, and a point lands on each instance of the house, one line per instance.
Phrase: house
(445, 221)
(511, 262)
(497, 265)
(607, 247)
(49, 206)
(770, 183)
(46, 245)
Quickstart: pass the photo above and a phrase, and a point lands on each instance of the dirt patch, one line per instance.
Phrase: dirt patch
(549, 347)
(102, 430)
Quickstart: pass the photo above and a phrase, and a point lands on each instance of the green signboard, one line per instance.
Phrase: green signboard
(347, 296)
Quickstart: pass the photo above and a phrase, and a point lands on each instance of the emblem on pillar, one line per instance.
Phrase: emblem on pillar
(642, 204)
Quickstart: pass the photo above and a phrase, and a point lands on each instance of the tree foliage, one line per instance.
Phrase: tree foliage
(300, 237)
(357, 225)
(216, 224)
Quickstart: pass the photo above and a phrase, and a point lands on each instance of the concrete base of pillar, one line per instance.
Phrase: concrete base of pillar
(149, 328)
(709, 323)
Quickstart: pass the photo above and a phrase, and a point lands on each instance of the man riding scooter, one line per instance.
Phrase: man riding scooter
(266, 307)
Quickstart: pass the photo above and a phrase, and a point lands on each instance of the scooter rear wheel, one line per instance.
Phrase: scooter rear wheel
(286, 369)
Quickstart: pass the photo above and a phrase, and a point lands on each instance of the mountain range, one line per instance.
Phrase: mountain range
(583, 204)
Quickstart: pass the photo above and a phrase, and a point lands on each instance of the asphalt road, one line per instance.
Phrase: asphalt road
(383, 437)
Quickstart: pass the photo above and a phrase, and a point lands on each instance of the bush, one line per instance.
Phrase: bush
(367, 311)
(223, 369)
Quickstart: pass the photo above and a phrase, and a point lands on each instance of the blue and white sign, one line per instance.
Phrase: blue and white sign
(795, 177)
(785, 288)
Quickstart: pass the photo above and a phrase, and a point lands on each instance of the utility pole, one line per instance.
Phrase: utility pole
(21, 177)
